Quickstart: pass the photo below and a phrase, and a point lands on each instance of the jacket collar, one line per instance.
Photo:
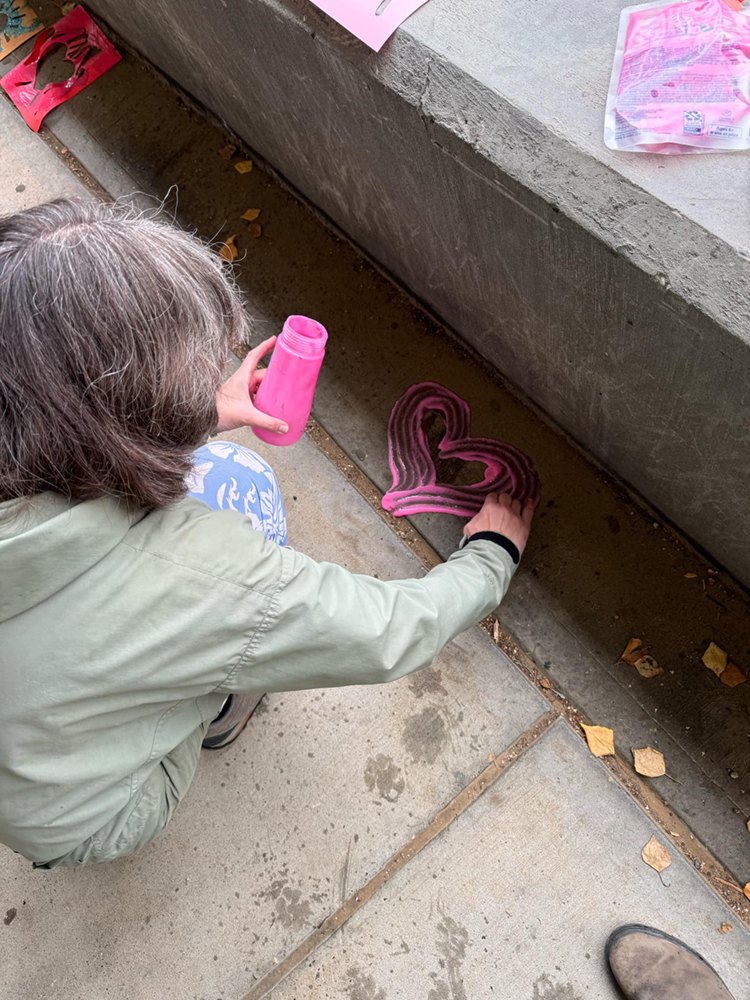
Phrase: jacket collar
(47, 542)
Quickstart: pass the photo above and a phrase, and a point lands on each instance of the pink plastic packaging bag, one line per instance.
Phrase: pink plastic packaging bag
(681, 78)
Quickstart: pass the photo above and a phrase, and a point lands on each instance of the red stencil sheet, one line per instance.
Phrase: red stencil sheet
(89, 52)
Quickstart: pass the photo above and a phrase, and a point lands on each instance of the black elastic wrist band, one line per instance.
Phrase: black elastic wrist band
(498, 539)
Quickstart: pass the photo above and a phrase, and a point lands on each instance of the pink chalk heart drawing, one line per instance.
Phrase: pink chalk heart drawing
(415, 489)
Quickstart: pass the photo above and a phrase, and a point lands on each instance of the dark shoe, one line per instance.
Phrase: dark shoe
(650, 965)
(234, 716)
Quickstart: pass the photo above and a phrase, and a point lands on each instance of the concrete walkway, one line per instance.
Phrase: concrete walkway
(502, 853)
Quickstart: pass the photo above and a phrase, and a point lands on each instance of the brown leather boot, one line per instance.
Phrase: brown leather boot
(234, 716)
(650, 965)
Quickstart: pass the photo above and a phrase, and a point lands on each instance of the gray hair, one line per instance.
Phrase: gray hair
(114, 331)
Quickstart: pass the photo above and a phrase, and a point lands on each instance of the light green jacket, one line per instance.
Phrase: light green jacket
(121, 633)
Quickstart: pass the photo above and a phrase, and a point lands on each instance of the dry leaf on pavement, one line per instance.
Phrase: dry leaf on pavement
(732, 676)
(633, 651)
(255, 230)
(691, 576)
(244, 166)
(251, 214)
(746, 890)
(648, 667)
(649, 762)
(229, 251)
(715, 659)
(227, 152)
(725, 928)
(600, 740)
(748, 826)
(656, 855)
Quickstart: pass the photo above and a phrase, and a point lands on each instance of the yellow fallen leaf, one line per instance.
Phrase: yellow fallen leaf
(715, 659)
(691, 576)
(648, 667)
(649, 762)
(656, 855)
(543, 682)
(633, 651)
(746, 890)
(227, 152)
(255, 230)
(732, 676)
(251, 214)
(229, 251)
(244, 166)
(725, 928)
(600, 740)
(748, 826)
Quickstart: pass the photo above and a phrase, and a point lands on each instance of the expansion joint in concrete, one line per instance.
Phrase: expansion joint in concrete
(451, 812)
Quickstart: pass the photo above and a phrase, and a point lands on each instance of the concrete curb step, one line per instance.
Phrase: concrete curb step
(467, 158)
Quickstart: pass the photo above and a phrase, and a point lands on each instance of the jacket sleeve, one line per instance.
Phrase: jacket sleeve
(327, 627)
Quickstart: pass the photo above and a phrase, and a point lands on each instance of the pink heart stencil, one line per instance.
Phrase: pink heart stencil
(415, 490)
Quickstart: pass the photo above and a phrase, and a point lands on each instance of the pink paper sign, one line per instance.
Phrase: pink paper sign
(373, 21)
(415, 489)
(89, 52)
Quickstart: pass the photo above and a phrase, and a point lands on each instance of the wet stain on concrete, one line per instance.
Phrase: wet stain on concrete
(363, 986)
(546, 989)
(425, 735)
(382, 773)
(10, 916)
(291, 910)
(451, 943)
(427, 681)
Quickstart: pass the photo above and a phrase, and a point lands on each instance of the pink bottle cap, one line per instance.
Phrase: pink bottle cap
(304, 337)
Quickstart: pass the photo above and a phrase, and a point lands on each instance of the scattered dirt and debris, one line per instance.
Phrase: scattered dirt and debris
(243, 166)
(228, 251)
(601, 740)
(656, 855)
(745, 890)
(649, 762)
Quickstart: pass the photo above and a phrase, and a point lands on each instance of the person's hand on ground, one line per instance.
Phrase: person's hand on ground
(234, 400)
(506, 516)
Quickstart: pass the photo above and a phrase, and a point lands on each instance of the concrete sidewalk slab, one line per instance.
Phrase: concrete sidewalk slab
(600, 567)
(517, 898)
(277, 830)
(29, 171)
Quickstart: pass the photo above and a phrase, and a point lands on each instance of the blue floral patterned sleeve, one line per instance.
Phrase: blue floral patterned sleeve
(227, 476)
